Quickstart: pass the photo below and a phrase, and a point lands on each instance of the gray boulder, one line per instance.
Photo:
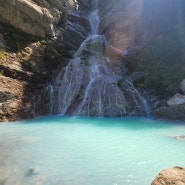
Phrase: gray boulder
(177, 99)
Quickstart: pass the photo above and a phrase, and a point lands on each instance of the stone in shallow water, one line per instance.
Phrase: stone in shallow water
(172, 176)
(180, 137)
(32, 171)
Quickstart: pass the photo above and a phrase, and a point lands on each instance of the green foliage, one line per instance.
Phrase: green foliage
(43, 43)
(24, 56)
(163, 60)
(3, 55)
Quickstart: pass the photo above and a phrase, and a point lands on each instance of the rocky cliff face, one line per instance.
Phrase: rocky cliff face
(31, 50)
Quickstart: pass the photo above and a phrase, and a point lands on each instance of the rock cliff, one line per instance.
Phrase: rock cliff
(32, 37)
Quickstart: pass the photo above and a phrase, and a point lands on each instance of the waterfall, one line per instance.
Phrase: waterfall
(94, 17)
(87, 86)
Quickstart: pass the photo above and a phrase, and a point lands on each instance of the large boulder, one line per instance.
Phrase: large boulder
(177, 99)
(172, 176)
(35, 17)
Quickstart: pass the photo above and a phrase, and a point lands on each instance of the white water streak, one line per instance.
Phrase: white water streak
(94, 18)
(142, 99)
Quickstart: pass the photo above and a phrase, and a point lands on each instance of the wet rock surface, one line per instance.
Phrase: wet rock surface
(76, 30)
(180, 138)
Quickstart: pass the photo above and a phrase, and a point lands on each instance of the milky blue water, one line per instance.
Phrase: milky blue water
(88, 151)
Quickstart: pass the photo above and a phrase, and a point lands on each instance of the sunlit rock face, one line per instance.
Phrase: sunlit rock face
(36, 17)
(128, 23)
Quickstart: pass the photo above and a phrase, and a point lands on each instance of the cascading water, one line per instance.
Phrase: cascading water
(88, 87)
(144, 103)
(94, 18)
